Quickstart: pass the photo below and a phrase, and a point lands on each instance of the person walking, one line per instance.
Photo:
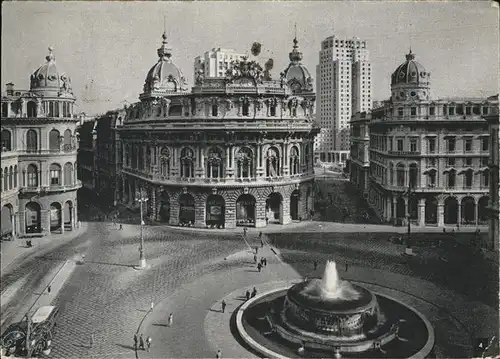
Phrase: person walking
(148, 343)
(218, 355)
(259, 267)
(247, 294)
(136, 340)
(171, 319)
(223, 306)
(265, 262)
(255, 258)
(121, 227)
(141, 342)
(254, 292)
(245, 229)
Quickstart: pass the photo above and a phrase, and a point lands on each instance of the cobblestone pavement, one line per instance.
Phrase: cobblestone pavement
(107, 297)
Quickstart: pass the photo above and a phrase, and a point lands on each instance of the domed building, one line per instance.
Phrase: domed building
(39, 146)
(235, 151)
(297, 76)
(423, 160)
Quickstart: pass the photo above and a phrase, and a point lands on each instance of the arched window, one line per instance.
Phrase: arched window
(413, 175)
(55, 174)
(51, 109)
(468, 178)
(215, 110)
(165, 162)
(391, 174)
(31, 141)
(246, 108)
(6, 141)
(187, 163)
(141, 157)
(68, 174)
(67, 141)
(306, 157)
(214, 163)
(244, 160)
(54, 140)
(32, 174)
(272, 162)
(31, 108)
(294, 160)
(452, 174)
(486, 178)
(15, 176)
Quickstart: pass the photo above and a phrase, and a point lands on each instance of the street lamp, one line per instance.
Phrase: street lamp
(409, 250)
(141, 197)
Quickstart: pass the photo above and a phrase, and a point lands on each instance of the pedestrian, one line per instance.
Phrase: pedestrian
(255, 258)
(265, 262)
(170, 319)
(346, 266)
(247, 294)
(91, 340)
(260, 235)
(218, 355)
(256, 250)
(261, 243)
(262, 261)
(148, 343)
(121, 227)
(259, 267)
(141, 342)
(223, 306)
(48, 289)
(315, 265)
(135, 341)
(245, 229)
(254, 292)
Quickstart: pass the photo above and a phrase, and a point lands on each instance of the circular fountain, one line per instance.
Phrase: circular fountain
(330, 316)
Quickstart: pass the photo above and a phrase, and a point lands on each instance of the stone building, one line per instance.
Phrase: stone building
(428, 158)
(360, 156)
(39, 146)
(97, 157)
(494, 158)
(236, 151)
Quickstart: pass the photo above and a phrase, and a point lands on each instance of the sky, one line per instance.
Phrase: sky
(108, 47)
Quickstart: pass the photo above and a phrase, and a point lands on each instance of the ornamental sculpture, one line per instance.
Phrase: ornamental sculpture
(243, 69)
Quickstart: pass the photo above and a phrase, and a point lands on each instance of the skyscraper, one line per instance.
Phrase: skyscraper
(344, 87)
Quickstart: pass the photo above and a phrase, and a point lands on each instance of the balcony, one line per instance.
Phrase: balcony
(6, 154)
(404, 153)
(49, 189)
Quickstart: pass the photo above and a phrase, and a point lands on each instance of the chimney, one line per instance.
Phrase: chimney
(9, 88)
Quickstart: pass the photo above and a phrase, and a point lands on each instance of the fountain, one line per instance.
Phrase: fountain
(333, 317)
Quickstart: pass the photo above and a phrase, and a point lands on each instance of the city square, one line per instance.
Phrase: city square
(295, 194)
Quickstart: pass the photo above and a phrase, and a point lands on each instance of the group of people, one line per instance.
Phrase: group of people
(249, 295)
(140, 343)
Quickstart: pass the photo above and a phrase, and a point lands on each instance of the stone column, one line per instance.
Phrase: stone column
(60, 105)
(421, 212)
(476, 212)
(260, 212)
(459, 212)
(152, 202)
(22, 222)
(230, 215)
(200, 211)
(285, 211)
(62, 220)
(46, 220)
(440, 213)
(174, 211)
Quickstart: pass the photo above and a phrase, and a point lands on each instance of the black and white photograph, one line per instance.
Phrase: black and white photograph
(250, 179)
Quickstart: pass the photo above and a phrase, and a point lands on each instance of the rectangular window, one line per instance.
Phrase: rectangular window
(468, 161)
(451, 111)
(413, 111)
(400, 144)
(485, 110)
(468, 111)
(431, 162)
(432, 145)
(32, 179)
(485, 145)
(451, 161)
(400, 111)
(484, 161)
(451, 145)
(413, 145)
(468, 145)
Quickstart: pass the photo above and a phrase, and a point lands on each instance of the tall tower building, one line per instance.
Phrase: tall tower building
(344, 87)
(216, 62)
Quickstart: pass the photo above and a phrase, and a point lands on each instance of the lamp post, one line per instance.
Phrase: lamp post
(141, 197)
(409, 250)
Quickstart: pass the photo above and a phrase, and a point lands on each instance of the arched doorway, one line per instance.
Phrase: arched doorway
(186, 209)
(68, 215)
(450, 210)
(274, 208)
(33, 218)
(400, 208)
(7, 225)
(215, 213)
(468, 211)
(245, 210)
(55, 216)
(482, 213)
(164, 208)
(294, 205)
(431, 211)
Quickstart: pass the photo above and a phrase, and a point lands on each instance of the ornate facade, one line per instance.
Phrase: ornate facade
(236, 151)
(428, 159)
(494, 159)
(39, 146)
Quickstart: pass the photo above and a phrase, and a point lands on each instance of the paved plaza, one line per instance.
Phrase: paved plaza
(190, 271)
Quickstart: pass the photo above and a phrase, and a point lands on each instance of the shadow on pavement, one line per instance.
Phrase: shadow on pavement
(130, 347)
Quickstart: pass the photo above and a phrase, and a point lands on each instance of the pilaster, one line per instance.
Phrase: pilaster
(200, 211)
(421, 212)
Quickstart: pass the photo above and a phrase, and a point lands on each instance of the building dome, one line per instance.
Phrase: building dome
(164, 75)
(47, 78)
(296, 75)
(410, 72)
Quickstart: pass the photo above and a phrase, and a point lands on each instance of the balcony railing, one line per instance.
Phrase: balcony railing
(405, 153)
